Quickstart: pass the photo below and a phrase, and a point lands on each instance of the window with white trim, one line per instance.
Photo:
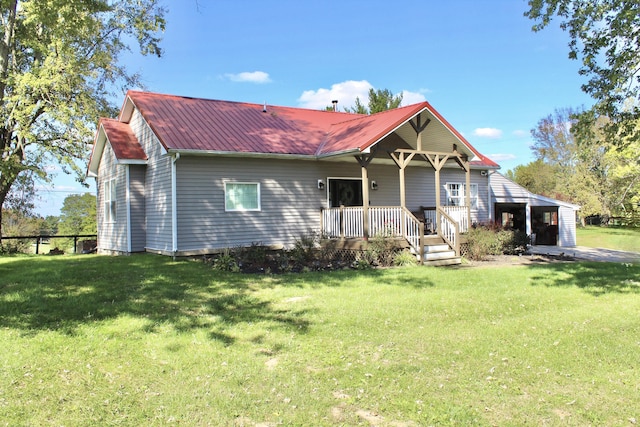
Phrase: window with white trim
(241, 196)
(456, 194)
(110, 203)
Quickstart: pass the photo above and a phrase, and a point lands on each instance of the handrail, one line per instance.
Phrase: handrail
(449, 230)
(459, 214)
(413, 232)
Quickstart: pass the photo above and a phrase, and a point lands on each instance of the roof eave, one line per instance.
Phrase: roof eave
(215, 153)
(96, 152)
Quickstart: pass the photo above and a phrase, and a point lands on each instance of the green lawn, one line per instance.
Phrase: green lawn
(144, 340)
(623, 239)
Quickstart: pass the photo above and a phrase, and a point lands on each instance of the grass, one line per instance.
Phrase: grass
(144, 340)
(619, 238)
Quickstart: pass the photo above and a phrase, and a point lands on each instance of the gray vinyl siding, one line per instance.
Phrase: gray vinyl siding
(290, 200)
(157, 184)
(567, 227)
(112, 236)
(137, 207)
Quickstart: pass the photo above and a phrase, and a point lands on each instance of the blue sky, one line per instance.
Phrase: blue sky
(476, 61)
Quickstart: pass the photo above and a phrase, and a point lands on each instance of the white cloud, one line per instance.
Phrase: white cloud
(520, 133)
(488, 133)
(258, 77)
(409, 98)
(501, 157)
(345, 92)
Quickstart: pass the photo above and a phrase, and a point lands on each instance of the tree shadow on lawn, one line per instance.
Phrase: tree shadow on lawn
(403, 277)
(63, 293)
(595, 278)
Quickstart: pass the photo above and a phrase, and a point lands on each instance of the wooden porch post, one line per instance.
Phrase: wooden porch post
(438, 203)
(467, 196)
(363, 161)
(365, 202)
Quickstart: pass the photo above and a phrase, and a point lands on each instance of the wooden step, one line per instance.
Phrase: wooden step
(435, 256)
(442, 247)
(444, 262)
(433, 240)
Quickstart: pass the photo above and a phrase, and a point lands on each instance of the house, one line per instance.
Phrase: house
(186, 176)
(547, 221)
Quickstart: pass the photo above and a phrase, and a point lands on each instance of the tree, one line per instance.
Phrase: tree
(383, 100)
(601, 176)
(78, 215)
(537, 176)
(49, 225)
(59, 69)
(605, 35)
(379, 100)
(554, 142)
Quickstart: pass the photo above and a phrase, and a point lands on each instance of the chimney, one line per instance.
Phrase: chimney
(264, 109)
(335, 104)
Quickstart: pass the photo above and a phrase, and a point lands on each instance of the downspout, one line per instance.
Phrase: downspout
(490, 205)
(128, 200)
(174, 207)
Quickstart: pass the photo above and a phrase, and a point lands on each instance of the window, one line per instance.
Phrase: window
(110, 200)
(242, 196)
(456, 195)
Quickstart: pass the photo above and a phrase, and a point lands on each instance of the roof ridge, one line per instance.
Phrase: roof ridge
(197, 98)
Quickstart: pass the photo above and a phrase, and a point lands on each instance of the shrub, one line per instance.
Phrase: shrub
(226, 261)
(381, 249)
(305, 248)
(404, 258)
(491, 240)
(481, 241)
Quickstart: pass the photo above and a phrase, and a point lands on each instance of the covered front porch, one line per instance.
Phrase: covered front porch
(447, 222)
(350, 213)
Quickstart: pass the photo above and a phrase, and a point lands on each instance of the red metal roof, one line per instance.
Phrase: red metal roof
(124, 143)
(205, 125)
(363, 131)
(183, 123)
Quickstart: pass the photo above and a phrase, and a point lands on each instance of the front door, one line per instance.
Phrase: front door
(345, 192)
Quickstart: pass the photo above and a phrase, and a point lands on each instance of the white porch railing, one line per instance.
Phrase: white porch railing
(449, 230)
(459, 214)
(392, 221)
(344, 222)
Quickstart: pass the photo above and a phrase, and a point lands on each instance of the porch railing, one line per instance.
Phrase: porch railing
(459, 214)
(391, 221)
(449, 230)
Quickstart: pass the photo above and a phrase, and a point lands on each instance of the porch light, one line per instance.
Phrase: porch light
(374, 185)
(320, 184)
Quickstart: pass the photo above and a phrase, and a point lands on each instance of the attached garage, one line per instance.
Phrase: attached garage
(547, 221)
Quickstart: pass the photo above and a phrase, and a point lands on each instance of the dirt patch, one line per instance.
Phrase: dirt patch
(524, 259)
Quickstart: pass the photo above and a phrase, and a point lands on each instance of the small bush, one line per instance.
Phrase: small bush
(226, 261)
(305, 248)
(381, 249)
(404, 259)
(491, 240)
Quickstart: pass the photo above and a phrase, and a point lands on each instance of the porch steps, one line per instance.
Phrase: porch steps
(438, 253)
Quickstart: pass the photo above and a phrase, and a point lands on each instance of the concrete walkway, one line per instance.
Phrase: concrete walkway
(587, 254)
